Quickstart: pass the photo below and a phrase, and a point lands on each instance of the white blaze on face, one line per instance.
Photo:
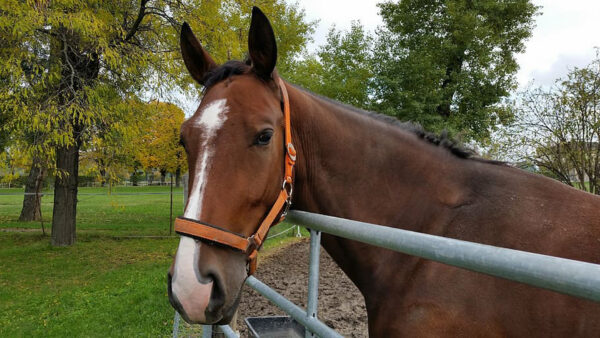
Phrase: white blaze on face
(211, 119)
(186, 285)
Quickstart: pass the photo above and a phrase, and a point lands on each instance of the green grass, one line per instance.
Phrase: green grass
(104, 285)
(98, 287)
(143, 211)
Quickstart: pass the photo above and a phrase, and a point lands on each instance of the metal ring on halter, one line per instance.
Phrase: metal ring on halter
(288, 187)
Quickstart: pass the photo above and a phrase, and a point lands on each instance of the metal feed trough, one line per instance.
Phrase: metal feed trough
(274, 327)
(566, 276)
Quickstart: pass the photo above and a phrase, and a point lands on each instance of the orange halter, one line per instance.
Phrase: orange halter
(250, 245)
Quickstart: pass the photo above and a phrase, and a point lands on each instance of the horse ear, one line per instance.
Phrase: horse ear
(261, 44)
(197, 60)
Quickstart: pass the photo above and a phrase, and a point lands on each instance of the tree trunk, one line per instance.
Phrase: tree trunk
(453, 68)
(134, 178)
(102, 177)
(79, 67)
(178, 177)
(163, 175)
(65, 195)
(31, 210)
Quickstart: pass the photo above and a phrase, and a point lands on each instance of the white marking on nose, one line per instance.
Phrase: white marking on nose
(194, 295)
(191, 294)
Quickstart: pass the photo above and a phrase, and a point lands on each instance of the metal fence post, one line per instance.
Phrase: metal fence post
(176, 324)
(184, 182)
(313, 277)
(207, 331)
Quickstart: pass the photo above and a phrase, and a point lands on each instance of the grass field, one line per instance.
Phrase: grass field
(126, 211)
(107, 284)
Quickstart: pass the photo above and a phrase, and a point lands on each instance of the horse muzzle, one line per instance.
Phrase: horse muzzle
(202, 291)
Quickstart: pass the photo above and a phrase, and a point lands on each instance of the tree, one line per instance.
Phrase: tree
(113, 148)
(341, 68)
(558, 129)
(16, 154)
(160, 146)
(222, 28)
(447, 63)
(62, 59)
(32, 199)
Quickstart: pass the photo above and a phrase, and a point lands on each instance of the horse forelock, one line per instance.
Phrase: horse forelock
(225, 71)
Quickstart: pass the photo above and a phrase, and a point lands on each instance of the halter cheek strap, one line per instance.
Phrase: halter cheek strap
(250, 245)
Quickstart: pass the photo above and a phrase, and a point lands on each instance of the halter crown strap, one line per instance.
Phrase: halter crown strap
(250, 245)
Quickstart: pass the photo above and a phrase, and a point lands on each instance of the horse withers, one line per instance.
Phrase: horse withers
(366, 167)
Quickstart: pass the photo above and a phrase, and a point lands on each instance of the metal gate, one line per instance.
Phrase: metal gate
(575, 278)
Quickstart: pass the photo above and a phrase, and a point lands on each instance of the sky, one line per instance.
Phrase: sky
(564, 37)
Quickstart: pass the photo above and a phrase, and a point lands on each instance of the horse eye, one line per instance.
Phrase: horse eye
(264, 137)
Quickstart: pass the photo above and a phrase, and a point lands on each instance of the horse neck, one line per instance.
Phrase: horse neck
(354, 166)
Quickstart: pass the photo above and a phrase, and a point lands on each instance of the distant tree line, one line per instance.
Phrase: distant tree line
(556, 130)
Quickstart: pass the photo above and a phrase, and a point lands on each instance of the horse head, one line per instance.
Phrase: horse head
(235, 155)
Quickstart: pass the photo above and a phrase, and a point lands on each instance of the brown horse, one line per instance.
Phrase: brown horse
(363, 166)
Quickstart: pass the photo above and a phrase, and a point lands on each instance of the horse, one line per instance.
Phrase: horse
(363, 166)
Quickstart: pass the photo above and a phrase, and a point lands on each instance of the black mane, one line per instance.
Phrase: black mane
(443, 140)
(226, 70)
(231, 68)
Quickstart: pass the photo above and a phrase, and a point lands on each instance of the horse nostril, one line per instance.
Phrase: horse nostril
(169, 282)
(169, 278)
(217, 295)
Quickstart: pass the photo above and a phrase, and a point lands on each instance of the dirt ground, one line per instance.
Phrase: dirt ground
(341, 306)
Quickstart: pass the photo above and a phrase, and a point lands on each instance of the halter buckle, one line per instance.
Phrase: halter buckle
(252, 263)
(255, 243)
(291, 151)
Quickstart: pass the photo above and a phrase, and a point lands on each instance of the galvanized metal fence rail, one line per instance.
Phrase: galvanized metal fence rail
(567, 276)
(579, 279)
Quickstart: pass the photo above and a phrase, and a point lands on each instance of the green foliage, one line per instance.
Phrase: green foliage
(222, 28)
(341, 69)
(65, 66)
(159, 145)
(71, 72)
(558, 129)
(4, 135)
(112, 149)
(448, 63)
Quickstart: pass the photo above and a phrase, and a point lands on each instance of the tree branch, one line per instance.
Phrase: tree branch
(46, 31)
(137, 22)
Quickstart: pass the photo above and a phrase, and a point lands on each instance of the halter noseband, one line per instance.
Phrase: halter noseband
(250, 245)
